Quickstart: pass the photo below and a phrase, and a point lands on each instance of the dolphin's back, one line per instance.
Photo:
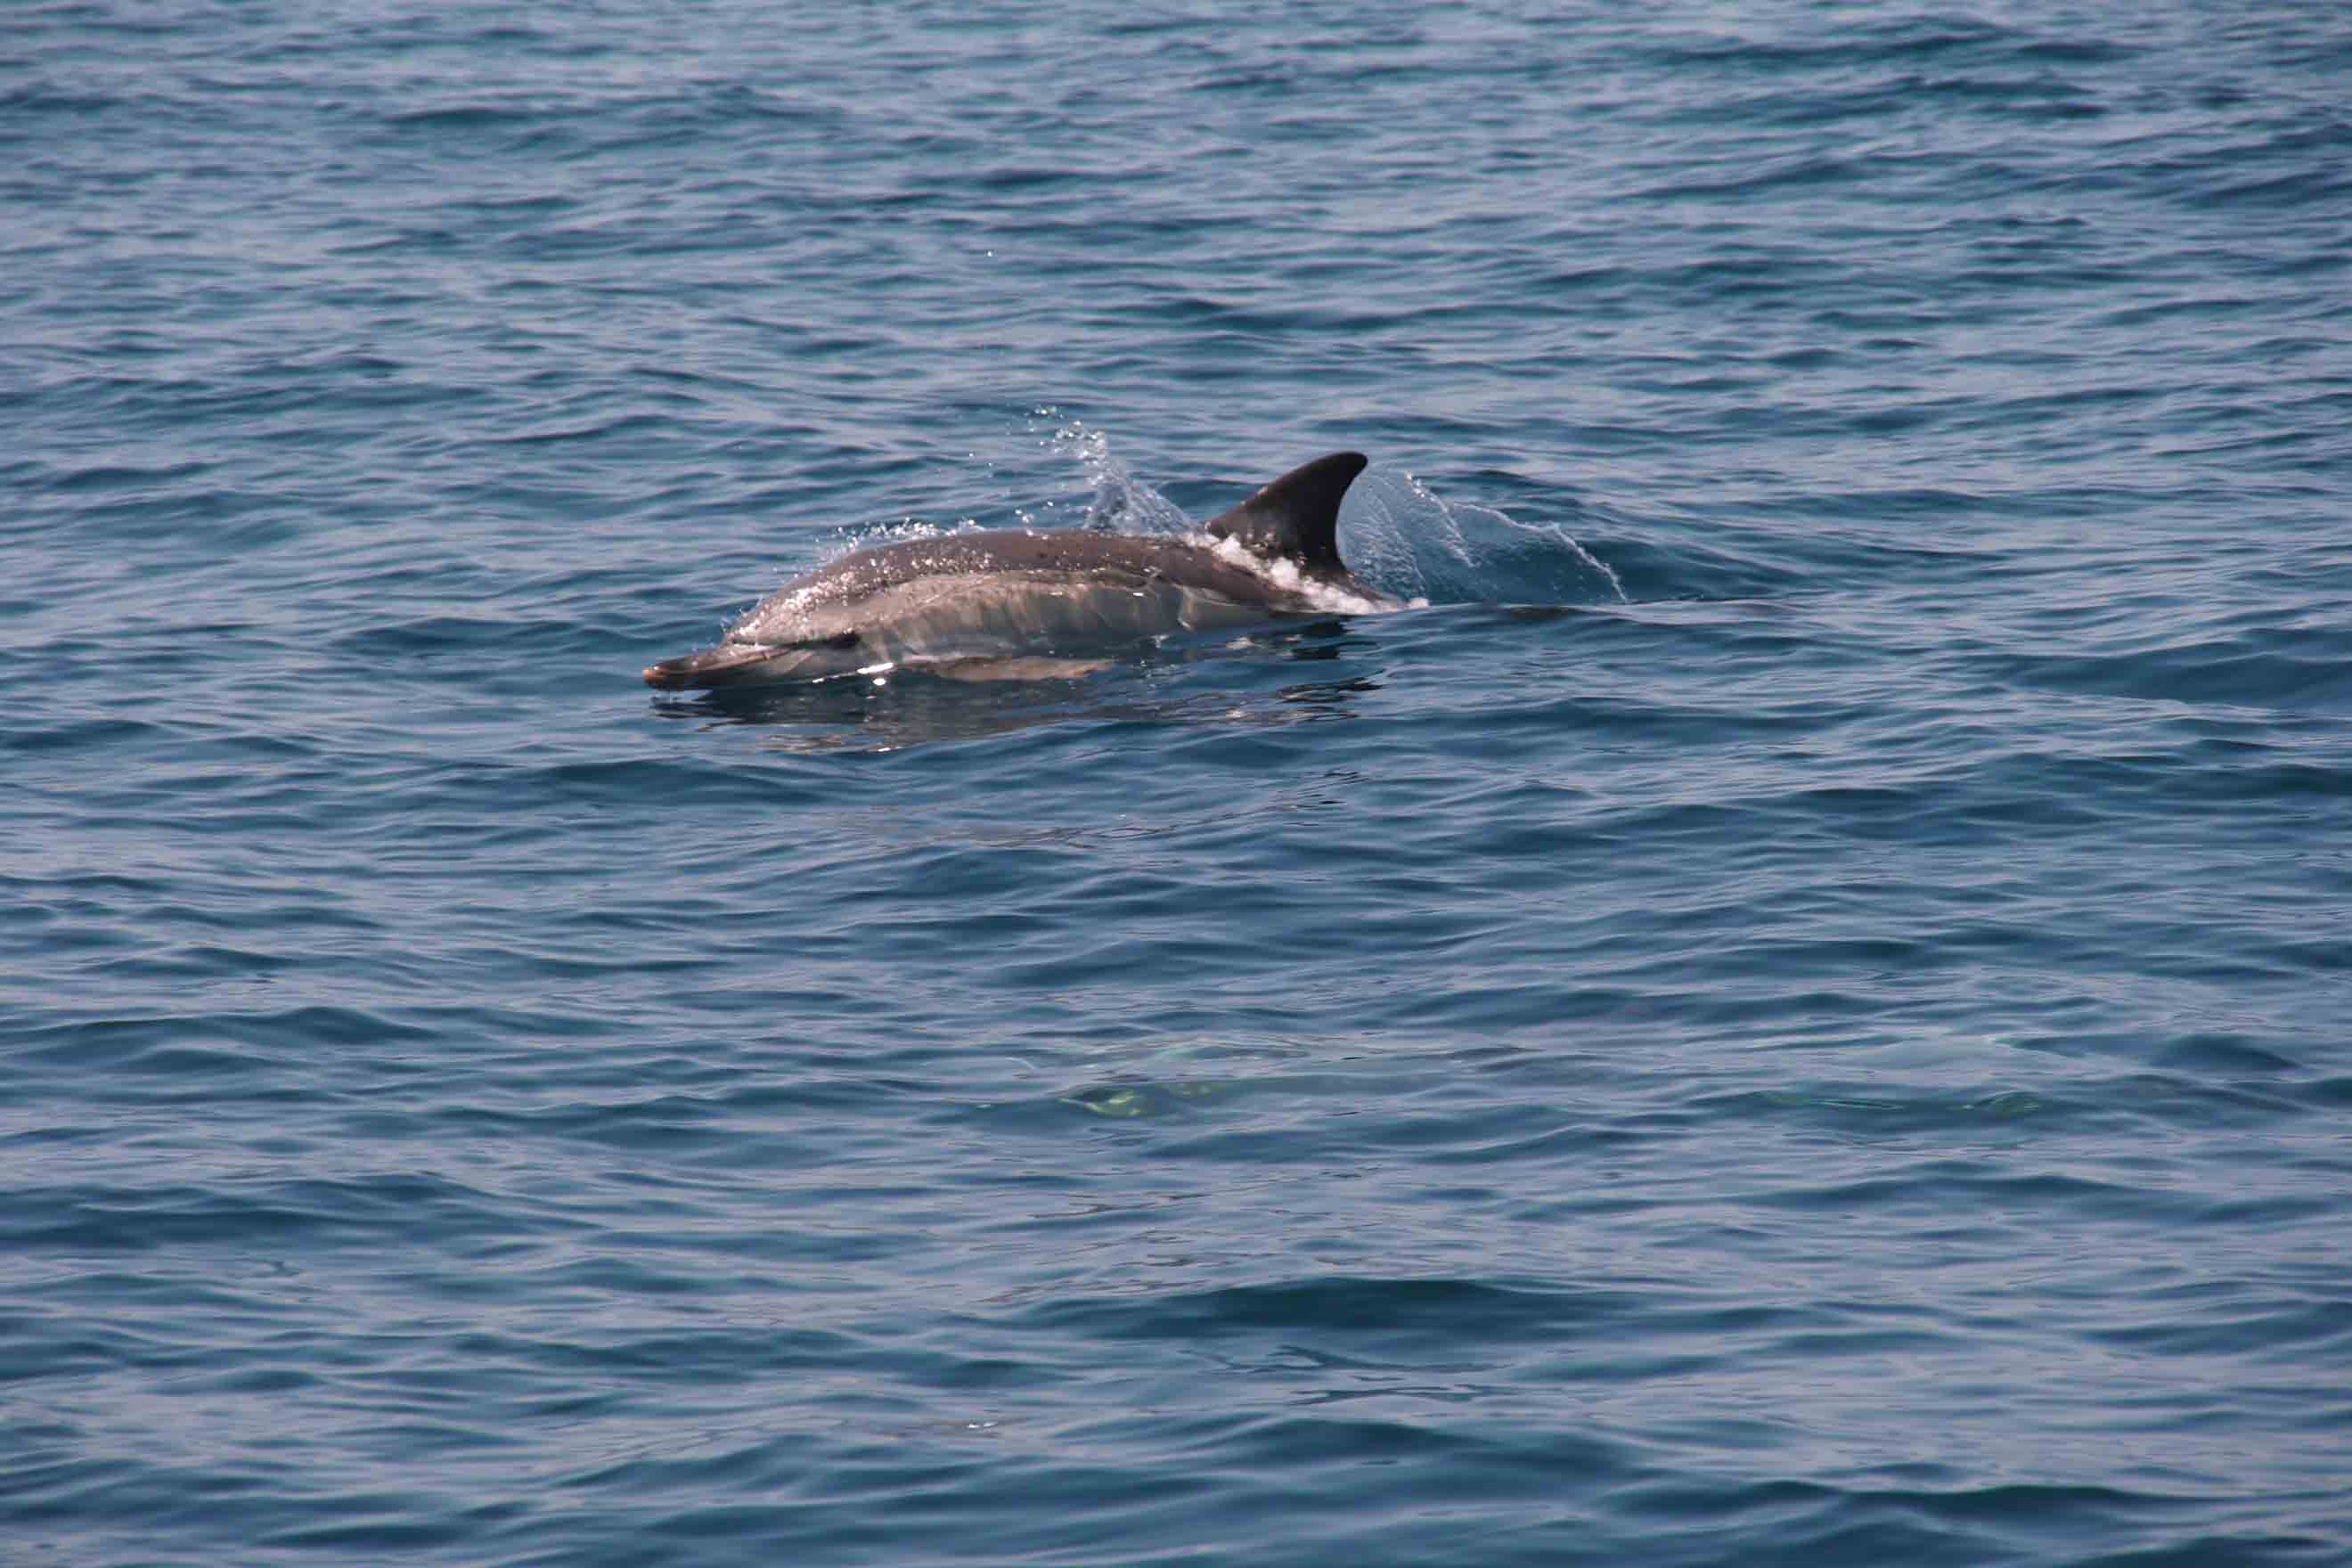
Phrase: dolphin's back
(827, 602)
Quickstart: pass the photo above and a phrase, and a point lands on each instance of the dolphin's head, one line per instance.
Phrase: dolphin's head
(805, 631)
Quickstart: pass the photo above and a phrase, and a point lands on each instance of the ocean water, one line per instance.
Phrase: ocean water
(1793, 1011)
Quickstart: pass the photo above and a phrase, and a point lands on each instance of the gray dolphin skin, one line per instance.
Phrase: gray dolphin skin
(1021, 598)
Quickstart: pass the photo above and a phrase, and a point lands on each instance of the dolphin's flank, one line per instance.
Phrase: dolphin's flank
(1014, 596)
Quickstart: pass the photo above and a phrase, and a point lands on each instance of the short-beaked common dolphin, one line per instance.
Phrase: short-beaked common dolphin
(1019, 596)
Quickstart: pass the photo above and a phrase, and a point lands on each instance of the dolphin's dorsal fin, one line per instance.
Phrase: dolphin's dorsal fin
(1298, 516)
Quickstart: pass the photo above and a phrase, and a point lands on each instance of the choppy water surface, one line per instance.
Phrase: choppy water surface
(1793, 1012)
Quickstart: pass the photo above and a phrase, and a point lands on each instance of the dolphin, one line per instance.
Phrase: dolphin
(1025, 600)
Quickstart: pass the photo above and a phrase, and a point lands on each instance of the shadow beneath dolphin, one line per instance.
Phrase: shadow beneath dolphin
(1158, 685)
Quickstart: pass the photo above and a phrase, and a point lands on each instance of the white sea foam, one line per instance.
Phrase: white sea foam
(1321, 592)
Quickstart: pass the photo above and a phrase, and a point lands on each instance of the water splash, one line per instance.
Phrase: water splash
(1457, 545)
(1413, 542)
(1379, 547)
(1400, 535)
(1118, 501)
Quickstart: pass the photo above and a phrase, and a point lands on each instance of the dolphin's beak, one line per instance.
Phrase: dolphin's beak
(711, 667)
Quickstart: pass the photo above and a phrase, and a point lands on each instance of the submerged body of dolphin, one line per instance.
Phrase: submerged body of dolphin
(1015, 597)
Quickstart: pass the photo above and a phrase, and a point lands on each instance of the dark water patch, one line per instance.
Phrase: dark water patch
(85, 735)
(1398, 1312)
(297, 1215)
(2229, 673)
(135, 479)
(464, 117)
(1900, 39)
(2221, 1053)
(2287, 1328)
(1872, 1109)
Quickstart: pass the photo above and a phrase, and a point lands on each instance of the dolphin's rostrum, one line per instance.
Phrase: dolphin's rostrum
(1022, 596)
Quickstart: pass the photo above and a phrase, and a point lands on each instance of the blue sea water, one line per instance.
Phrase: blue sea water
(1793, 1011)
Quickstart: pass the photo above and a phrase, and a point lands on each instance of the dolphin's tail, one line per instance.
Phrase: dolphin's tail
(711, 667)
